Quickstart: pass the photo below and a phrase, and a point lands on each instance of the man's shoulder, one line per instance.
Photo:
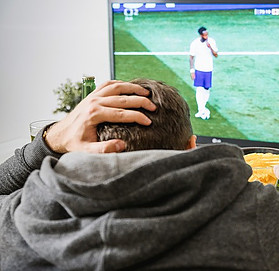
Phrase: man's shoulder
(194, 44)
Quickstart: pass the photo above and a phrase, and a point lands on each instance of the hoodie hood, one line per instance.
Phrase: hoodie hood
(114, 211)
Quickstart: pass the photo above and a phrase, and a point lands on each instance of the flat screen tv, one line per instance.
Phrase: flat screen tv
(151, 39)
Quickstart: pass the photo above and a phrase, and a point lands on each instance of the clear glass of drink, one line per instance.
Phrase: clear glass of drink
(36, 126)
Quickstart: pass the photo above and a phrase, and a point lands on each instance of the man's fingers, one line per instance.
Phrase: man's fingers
(124, 101)
(122, 88)
(276, 171)
(114, 145)
(117, 115)
(111, 82)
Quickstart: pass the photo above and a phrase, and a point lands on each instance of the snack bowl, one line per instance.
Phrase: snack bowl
(247, 150)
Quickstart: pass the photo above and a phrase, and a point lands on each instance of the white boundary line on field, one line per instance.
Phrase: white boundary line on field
(187, 53)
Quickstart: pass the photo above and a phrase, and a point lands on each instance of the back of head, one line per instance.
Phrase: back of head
(170, 129)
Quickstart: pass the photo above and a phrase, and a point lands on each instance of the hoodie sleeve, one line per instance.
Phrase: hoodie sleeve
(15, 170)
(267, 224)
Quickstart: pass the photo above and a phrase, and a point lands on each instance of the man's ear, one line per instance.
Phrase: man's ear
(191, 142)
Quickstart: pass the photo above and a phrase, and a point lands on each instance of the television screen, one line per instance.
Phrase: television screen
(156, 40)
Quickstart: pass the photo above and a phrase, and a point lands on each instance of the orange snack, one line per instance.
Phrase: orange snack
(262, 165)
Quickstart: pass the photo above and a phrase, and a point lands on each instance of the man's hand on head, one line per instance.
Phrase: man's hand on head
(110, 102)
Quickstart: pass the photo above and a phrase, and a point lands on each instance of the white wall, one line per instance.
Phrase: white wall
(42, 43)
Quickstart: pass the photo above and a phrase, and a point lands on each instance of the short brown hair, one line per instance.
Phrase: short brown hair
(170, 129)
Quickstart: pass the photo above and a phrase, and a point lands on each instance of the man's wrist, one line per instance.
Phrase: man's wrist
(37, 150)
(52, 139)
(192, 70)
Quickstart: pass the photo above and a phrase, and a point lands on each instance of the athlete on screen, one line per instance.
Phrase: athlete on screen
(202, 50)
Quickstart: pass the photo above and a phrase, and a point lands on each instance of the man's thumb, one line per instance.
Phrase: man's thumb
(114, 145)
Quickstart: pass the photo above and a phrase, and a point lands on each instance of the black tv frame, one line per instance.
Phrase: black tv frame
(200, 139)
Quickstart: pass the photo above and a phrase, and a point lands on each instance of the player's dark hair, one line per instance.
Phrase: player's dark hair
(170, 129)
(201, 29)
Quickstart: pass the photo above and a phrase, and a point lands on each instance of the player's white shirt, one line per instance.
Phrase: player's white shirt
(203, 55)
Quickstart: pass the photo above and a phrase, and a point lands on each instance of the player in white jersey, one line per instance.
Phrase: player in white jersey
(202, 50)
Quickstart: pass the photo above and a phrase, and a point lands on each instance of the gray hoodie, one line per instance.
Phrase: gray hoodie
(146, 210)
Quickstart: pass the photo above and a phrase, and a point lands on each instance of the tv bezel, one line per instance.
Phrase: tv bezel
(200, 139)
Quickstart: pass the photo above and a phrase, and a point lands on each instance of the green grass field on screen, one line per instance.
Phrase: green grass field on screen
(245, 93)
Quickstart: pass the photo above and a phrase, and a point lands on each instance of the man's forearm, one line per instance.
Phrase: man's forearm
(191, 62)
(192, 68)
(15, 171)
(214, 53)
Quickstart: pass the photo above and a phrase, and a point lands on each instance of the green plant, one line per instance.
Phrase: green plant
(69, 95)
